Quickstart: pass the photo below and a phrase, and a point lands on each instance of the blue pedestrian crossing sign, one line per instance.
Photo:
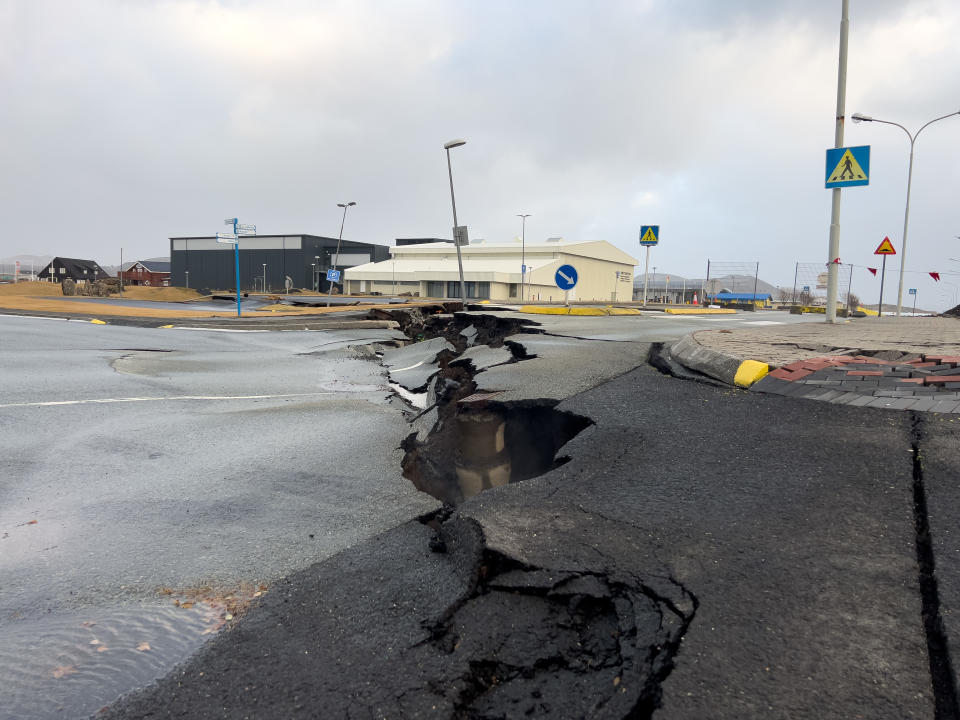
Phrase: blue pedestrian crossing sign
(333, 275)
(566, 277)
(649, 235)
(848, 166)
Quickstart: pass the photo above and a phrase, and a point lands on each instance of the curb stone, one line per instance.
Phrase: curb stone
(720, 366)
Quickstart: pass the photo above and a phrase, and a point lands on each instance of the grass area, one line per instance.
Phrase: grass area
(32, 288)
(160, 294)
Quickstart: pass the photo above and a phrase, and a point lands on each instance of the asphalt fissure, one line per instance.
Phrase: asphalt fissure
(938, 648)
(475, 442)
(579, 643)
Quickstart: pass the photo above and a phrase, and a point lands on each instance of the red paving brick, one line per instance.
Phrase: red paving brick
(866, 373)
(915, 381)
(944, 359)
(940, 379)
(782, 373)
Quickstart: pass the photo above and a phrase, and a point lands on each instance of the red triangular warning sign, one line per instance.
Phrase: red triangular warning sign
(886, 248)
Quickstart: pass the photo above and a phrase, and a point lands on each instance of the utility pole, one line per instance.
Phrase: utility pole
(834, 245)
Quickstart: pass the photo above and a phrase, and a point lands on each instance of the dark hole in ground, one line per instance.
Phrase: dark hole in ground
(476, 449)
(474, 446)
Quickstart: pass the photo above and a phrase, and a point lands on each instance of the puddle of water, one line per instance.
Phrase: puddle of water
(69, 665)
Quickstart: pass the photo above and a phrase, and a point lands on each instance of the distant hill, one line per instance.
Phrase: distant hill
(731, 283)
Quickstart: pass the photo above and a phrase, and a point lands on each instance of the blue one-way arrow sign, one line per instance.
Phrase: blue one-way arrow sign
(566, 277)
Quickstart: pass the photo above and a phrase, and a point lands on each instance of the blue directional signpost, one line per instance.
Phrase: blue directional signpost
(233, 238)
(566, 279)
(649, 236)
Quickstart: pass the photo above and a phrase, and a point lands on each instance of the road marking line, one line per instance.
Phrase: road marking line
(159, 399)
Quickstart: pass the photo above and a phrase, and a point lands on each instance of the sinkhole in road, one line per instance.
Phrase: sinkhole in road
(468, 441)
(477, 448)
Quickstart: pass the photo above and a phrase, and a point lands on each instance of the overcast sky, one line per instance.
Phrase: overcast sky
(126, 122)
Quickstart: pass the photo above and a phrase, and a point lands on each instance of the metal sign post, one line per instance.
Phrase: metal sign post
(566, 279)
(234, 239)
(649, 236)
(885, 248)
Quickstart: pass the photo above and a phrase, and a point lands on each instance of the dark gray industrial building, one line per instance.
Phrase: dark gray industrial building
(202, 262)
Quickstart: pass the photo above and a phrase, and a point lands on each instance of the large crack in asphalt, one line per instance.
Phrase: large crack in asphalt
(527, 641)
(938, 648)
(466, 441)
(524, 640)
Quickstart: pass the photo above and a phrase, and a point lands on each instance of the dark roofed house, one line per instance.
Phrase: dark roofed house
(152, 273)
(81, 271)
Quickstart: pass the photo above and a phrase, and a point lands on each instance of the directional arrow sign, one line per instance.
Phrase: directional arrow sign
(229, 238)
(566, 277)
(246, 229)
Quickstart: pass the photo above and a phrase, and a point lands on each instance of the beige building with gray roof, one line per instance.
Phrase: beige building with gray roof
(492, 271)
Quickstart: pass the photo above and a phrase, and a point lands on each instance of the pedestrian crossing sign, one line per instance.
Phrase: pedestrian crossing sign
(848, 166)
(649, 235)
(886, 248)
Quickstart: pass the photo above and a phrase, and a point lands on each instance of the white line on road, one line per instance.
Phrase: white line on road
(161, 399)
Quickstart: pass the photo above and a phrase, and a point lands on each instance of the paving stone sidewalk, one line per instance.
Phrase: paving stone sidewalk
(895, 363)
(910, 382)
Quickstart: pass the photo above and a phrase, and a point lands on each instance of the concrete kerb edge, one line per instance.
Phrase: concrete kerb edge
(720, 366)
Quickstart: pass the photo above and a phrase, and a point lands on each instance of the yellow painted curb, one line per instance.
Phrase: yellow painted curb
(700, 311)
(536, 310)
(749, 372)
(164, 327)
(580, 311)
(590, 312)
(98, 322)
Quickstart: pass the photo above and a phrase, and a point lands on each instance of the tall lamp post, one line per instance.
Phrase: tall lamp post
(523, 252)
(263, 287)
(859, 117)
(336, 258)
(447, 146)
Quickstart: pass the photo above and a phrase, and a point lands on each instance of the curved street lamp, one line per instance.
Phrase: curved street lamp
(336, 258)
(448, 146)
(860, 117)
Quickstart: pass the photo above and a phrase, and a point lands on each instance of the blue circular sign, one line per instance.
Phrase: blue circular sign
(566, 277)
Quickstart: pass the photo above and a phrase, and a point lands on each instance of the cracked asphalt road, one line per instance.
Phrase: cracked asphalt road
(705, 552)
(780, 531)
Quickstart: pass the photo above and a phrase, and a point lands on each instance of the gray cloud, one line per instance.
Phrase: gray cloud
(126, 123)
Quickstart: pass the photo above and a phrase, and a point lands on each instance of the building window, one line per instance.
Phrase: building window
(513, 290)
(63, 271)
(478, 290)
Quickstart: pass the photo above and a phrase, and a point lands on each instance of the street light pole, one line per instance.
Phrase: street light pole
(858, 117)
(447, 146)
(523, 252)
(336, 258)
(263, 287)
